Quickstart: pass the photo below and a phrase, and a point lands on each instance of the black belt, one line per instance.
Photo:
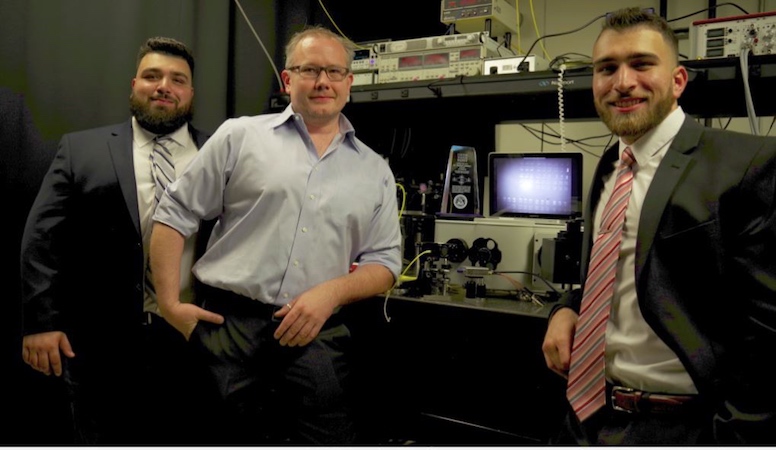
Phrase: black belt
(631, 401)
(236, 303)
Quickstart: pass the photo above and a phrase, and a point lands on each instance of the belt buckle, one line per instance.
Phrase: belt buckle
(623, 389)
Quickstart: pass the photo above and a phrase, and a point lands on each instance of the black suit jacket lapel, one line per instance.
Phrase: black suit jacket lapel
(677, 160)
(120, 148)
(199, 137)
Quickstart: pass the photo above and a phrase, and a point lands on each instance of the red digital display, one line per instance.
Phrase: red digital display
(436, 60)
(464, 3)
(467, 55)
(410, 62)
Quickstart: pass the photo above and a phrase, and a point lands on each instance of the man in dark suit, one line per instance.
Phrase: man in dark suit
(89, 315)
(691, 322)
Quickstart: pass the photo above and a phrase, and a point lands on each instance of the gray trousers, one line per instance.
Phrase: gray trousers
(271, 394)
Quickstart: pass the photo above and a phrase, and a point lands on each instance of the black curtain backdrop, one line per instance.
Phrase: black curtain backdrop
(74, 59)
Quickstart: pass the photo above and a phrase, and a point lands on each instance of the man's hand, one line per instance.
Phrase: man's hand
(558, 340)
(303, 320)
(184, 317)
(41, 351)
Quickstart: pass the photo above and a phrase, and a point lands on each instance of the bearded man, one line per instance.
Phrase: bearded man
(90, 314)
(666, 342)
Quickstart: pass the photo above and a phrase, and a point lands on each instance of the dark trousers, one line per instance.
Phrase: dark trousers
(141, 391)
(274, 395)
(609, 427)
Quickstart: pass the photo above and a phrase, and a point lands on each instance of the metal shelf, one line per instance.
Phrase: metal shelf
(715, 89)
(523, 84)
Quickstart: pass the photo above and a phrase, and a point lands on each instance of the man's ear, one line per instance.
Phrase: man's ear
(680, 80)
(286, 77)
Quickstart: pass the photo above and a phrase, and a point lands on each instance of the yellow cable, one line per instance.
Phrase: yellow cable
(398, 282)
(403, 199)
(338, 29)
(517, 11)
(536, 28)
(403, 277)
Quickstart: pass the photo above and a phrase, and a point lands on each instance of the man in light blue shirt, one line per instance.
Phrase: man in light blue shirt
(298, 199)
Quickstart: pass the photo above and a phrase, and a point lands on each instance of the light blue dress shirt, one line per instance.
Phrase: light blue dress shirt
(288, 220)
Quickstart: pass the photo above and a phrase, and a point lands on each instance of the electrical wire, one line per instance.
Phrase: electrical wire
(541, 38)
(581, 141)
(727, 124)
(536, 29)
(518, 285)
(576, 143)
(707, 9)
(524, 272)
(771, 127)
(272, 63)
(326, 11)
(584, 62)
(403, 199)
(399, 281)
(750, 111)
(560, 109)
(517, 12)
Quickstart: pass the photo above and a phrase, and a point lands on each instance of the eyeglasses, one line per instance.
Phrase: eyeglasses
(335, 73)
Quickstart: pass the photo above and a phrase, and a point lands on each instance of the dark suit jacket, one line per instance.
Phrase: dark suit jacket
(82, 252)
(706, 270)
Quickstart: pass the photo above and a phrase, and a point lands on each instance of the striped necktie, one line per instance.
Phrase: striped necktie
(587, 381)
(163, 169)
(163, 165)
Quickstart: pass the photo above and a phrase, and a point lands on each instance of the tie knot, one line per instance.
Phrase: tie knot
(627, 157)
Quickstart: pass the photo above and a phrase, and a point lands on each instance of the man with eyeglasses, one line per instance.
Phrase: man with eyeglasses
(298, 199)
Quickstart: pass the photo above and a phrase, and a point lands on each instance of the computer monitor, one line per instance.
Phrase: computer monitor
(535, 185)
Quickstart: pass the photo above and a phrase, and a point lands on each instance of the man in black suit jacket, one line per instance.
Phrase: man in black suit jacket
(87, 315)
(692, 324)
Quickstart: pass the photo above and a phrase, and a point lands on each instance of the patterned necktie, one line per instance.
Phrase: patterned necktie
(163, 166)
(163, 169)
(587, 381)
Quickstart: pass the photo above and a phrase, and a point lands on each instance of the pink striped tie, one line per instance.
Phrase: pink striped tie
(587, 382)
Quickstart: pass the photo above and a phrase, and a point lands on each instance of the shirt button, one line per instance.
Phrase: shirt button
(304, 229)
(296, 263)
(285, 295)
(312, 197)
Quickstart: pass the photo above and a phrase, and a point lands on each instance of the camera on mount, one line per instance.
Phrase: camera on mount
(560, 258)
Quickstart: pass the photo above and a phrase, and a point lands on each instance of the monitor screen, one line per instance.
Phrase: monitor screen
(537, 185)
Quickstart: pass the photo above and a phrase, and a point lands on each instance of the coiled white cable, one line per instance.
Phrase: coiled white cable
(561, 119)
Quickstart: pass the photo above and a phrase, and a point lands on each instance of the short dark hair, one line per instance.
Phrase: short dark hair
(166, 46)
(319, 31)
(626, 18)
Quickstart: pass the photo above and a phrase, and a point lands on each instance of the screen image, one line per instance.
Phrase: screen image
(539, 185)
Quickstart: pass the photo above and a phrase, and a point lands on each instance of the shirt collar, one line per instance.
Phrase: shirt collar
(656, 140)
(346, 128)
(142, 137)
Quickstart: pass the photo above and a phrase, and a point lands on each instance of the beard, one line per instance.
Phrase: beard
(638, 123)
(159, 121)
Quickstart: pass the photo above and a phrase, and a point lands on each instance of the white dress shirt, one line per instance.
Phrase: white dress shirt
(183, 151)
(635, 356)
